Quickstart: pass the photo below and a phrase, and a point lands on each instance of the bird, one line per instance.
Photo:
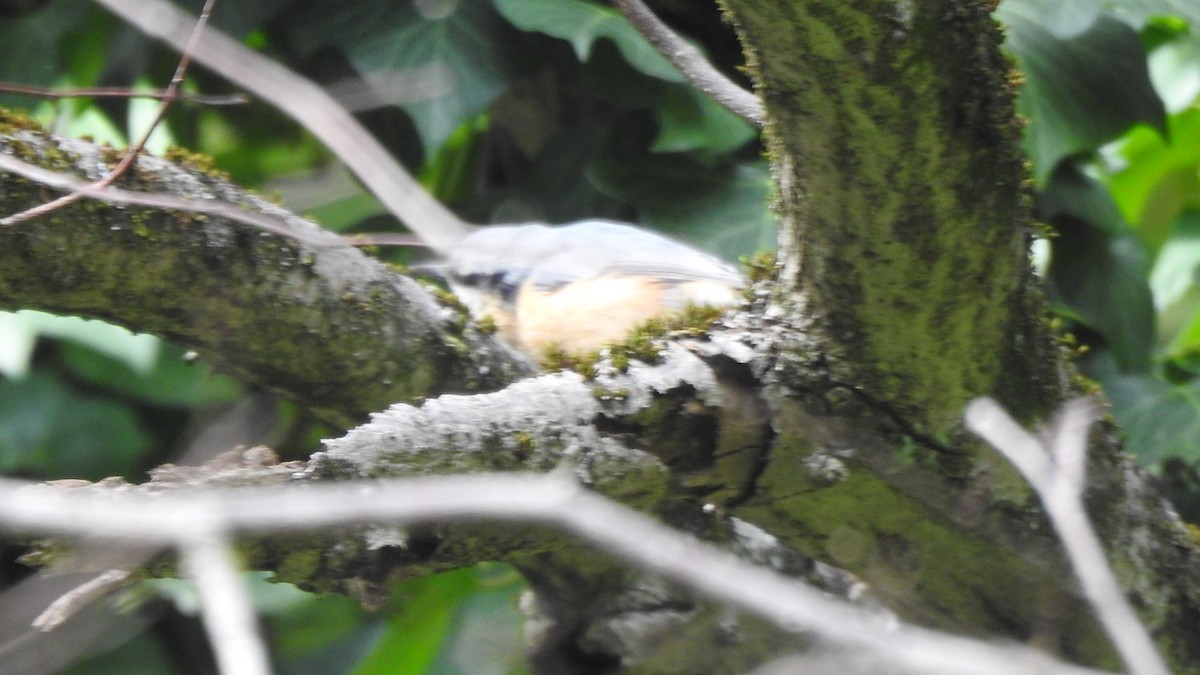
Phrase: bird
(579, 286)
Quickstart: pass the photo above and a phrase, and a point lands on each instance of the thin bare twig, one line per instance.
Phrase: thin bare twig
(227, 611)
(308, 104)
(60, 181)
(1056, 473)
(121, 92)
(135, 149)
(692, 64)
(68, 604)
(554, 499)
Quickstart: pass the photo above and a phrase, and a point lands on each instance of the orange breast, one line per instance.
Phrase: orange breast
(585, 315)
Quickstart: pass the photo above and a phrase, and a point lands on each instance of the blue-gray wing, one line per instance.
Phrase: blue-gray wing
(503, 258)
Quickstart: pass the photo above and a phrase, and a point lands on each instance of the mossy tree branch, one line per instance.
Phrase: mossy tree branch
(318, 322)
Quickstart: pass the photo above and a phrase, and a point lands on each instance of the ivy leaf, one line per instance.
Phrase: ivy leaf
(454, 57)
(688, 120)
(1159, 179)
(1103, 278)
(50, 431)
(1067, 17)
(1160, 420)
(1080, 91)
(1073, 193)
(581, 24)
(31, 46)
(721, 208)
(171, 381)
(20, 330)
(693, 121)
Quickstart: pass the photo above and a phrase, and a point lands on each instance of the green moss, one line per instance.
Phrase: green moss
(907, 176)
(13, 120)
(905, 550)
(195, 161)
(1193, 533)
(300, 565)
(444, 296)
(643, 341)
(606, 394)
(486, 325)
(525, 444)
(911, 453)
(620, 361)
(554, 358)
(760, 266)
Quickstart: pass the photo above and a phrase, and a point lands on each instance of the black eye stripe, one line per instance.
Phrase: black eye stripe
(503, 284)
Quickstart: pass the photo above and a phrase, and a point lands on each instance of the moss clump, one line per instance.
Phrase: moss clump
(525, 443)
(607, 394)
(198, 162)
(760, 266)
(302, 564)
(555, 358)
(11, 120)
(486, 325)
(644, 341)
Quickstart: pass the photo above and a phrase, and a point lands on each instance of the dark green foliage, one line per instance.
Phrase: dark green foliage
(1115, 142)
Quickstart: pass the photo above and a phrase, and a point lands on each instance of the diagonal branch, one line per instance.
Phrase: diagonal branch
(551, 500)
(136, 147)
(1057, 474)
(308, 104)
(692, 64)
(122, 93)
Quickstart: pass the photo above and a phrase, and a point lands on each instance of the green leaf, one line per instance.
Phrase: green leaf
(1183, 352)
(449, 175)
(486, 635)
(581, 24)
(305, 626)
(692, 121)
(142, 113)
(1080, 91)
(721, 208)
(31, 46)
(1071, 192)
(1067, 17)
(556, 189)
(687, 119)
(172, 381)
(1103, 278)
(1138, 12)
(17, 340)
(321, 634)
(455, 57)
(1173, 283)
(1175, 71)
(1159, 178)
(423, 617)
(1159, 420)
(52, 432)
(463, 622)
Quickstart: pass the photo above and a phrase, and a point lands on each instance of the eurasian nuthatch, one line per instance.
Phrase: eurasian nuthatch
(579, 286)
